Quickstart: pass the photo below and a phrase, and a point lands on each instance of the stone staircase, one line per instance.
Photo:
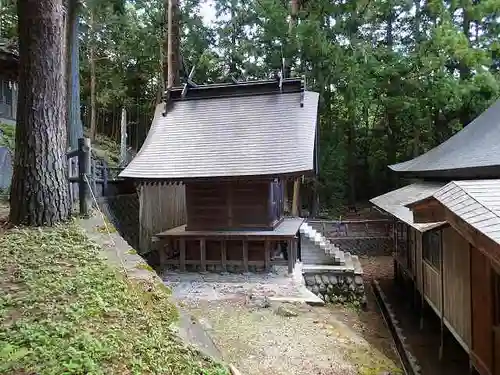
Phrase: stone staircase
(329, 272)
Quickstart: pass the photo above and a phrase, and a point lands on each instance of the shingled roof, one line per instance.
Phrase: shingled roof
(249, 129)
(396, 202)
(473, 152)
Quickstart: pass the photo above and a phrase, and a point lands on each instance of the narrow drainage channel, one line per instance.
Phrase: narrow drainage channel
(408, 361)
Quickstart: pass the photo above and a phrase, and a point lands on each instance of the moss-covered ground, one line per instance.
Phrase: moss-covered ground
(63, 310)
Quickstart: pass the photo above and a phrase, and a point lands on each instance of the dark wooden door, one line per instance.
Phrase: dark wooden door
(482, 312)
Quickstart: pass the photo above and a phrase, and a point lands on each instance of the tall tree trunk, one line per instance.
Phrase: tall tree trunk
(75, 126)
(292, 47)
(172, 71)
(294, 13)
(232, 60)
(93, 109)
(351, 151)
(39, 193)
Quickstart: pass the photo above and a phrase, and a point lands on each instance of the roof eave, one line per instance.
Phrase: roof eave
(177, 180)
(477, 172)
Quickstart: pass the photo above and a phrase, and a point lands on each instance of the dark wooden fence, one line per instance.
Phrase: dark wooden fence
(379, 228)
(88, 176)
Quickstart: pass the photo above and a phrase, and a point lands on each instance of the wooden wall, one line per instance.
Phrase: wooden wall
(161, 207)
(456, 280)
(482, 312)
(456, 275)
(418, 261)
(228, 205)
(432, 286)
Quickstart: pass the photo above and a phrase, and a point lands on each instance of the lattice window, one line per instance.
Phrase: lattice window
(431, 248)
(402, 239)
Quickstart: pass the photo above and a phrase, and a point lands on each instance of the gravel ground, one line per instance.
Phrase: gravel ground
(319, 340)
(257, 334)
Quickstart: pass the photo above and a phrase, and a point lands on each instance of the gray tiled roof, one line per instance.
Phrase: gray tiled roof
(475, 146)
(475, 201)
(394, 202)
(229, 136)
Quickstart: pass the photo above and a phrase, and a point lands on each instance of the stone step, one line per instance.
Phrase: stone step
(358, 269)
(319, 268)
(324, 244)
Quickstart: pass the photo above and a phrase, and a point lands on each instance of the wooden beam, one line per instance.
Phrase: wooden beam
(259, 263)
(294, 250)
(182, 254)
(267, 255)
(245, 256)
(441, 346)
(480, 241)
(296, 198)
(203, 255)
(429, 212)
(223, 255)
(162, 254)
(290, 256)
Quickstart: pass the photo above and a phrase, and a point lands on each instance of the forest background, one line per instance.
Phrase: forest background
(395, 77)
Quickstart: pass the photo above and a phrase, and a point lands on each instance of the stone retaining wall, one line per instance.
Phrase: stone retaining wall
(336, 286)
(123, 212)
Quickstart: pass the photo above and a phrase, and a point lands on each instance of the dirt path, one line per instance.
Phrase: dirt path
(263, 336)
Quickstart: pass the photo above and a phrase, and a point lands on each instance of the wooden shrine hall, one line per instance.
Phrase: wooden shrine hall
(232, 146)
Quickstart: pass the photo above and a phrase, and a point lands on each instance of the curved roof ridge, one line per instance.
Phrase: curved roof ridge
(475, 146)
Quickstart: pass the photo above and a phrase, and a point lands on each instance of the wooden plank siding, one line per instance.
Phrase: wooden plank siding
(456, 276)
(482, 313)
(419, 280)
(432, 286)
(161, 207)
(456, 281)
(472, 295)
(227, 205)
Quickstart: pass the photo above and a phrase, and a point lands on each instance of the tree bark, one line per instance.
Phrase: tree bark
(39, 192)
(172, 63)
(294, 13)
(73, 118)
(93, 109)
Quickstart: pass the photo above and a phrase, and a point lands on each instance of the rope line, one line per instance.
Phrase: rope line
(106, 227)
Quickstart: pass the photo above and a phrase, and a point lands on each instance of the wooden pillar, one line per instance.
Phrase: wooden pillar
(441, 346)
(182, 254)
(84, 162)
(415, 273)
(267, 255)
(223, 255)
(245, 255)
(422, 287)
(203, 255)
(162, 252)
(296, 198)
(290, 257)
(294, 251)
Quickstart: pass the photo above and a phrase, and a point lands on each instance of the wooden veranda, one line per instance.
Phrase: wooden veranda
(245, 250)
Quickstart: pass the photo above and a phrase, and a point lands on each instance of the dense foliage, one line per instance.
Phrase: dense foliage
(396, 77)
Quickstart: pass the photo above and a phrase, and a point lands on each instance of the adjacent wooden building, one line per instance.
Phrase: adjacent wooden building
(9, 65)
(447, 237)
(233, 146)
